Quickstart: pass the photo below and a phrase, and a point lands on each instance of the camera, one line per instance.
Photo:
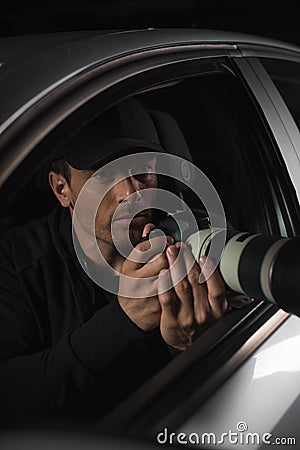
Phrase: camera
(264, 267)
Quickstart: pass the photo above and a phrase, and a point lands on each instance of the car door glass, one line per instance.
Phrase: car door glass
(286, 76)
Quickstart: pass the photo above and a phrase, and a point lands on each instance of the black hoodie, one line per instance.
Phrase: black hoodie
(67, 349)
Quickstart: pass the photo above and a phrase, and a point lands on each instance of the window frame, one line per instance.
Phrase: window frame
(39, 124)
(286, 141)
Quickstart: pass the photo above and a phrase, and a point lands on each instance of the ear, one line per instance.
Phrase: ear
(61, 189)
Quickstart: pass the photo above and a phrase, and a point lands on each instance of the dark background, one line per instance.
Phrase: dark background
(277, 19)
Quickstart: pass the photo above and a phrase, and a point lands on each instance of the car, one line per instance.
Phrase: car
(236, 100)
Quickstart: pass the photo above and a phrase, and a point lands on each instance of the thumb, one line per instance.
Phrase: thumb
(147, 228)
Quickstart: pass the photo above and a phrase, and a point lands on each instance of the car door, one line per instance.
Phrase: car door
(218, 101)
(189, 396)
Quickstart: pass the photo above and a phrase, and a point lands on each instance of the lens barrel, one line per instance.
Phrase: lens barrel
(286, 277)
(260, 266)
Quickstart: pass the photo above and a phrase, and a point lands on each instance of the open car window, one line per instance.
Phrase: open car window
(227, 138)
(226, 141)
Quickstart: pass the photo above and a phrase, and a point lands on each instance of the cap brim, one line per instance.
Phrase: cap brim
(86, 158)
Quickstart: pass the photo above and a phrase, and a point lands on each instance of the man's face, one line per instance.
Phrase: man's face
(126, 194)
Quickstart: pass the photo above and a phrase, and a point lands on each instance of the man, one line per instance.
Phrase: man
(69, 348)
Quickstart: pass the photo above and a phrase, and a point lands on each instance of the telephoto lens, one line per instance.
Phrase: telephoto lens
(260, 266)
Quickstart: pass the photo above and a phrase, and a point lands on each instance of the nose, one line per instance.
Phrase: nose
(127, 187)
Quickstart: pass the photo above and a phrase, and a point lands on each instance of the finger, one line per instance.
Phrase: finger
(145, 251)
(154, 267)
(200, 297)
(144, 281)
(166, 296)
(187, 257)
(180, 282)
(177, 266)
(216, 291)
(183, 264)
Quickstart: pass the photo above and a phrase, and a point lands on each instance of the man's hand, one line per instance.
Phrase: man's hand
(135, 292)
(190, 307)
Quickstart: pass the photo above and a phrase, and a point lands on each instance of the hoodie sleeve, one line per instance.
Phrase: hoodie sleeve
(60, 379)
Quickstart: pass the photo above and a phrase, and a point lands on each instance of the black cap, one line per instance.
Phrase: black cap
(127, 126)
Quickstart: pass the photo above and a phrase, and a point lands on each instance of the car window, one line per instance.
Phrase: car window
(227, 138)
(286, 76)
(231, 144)
(230, 141)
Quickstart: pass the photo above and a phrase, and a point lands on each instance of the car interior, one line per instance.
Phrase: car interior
(206, 119)
(195, 119)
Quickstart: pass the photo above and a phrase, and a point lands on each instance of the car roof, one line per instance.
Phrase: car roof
(14, 47)
(33, 65)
